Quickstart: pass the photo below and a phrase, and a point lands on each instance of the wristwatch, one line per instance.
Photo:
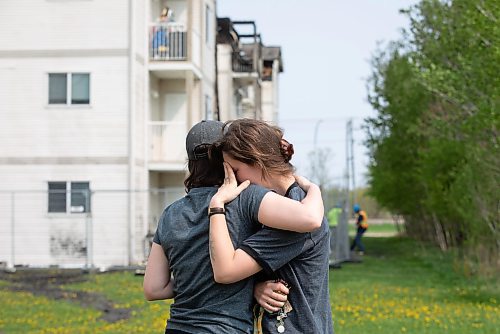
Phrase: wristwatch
(216, 211)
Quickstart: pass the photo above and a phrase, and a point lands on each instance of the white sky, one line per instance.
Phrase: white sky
(326, 47)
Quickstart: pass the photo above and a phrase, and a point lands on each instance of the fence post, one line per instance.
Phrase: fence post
(88, 231)
(12, 228)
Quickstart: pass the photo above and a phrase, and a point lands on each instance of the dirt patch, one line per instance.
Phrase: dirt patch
(47, 283)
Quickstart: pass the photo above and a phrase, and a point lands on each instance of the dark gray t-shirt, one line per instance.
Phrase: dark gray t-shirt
(201, 305)
(301, 259)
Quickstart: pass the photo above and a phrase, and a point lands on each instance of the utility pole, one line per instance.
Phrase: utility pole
(350, 161)
(315, 160)
(318, 122)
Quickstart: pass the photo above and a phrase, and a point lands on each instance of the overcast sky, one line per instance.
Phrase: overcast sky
(326, 47)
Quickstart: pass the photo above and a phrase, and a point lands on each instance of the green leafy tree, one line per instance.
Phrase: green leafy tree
(434, 143)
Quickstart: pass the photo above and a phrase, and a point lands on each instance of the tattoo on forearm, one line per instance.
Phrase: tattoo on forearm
(211, 248)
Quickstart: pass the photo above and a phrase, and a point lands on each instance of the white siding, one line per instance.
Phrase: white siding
(63, 25)
(268, 108)
(36, 230)
(32, 127)
(208, 49)
(225, 81)
(140, 112)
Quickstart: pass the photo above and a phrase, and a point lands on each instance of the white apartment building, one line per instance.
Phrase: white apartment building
(247, 72)
(96, 98)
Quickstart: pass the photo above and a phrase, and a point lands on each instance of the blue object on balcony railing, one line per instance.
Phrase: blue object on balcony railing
(167, 42)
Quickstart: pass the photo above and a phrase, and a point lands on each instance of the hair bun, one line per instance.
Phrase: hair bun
(286, 150)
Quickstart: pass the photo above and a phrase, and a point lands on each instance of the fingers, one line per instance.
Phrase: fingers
(243, 186)
(271, 295)
(270, 303)
(280, 287)
(230, 189)
(229, 173)
(302, 181)
(270, 308)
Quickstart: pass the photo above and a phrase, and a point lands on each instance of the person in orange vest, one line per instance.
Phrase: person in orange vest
(362, 224)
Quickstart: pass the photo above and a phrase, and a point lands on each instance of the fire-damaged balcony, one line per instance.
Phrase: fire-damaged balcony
(246, 47)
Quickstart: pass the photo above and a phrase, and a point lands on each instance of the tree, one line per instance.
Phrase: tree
(434, 143)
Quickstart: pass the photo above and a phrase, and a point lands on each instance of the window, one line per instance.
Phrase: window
(57, 196)
(70, 197)
(208, 25)
(69, 88)
(208, 108)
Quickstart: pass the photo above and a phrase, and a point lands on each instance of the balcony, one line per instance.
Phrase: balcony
(166, 148)
(167, 41)
(242, 63)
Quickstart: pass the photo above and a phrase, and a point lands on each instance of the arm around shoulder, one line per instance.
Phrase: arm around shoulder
(280, 212)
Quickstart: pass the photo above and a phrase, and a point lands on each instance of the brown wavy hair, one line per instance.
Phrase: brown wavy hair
(258, 143)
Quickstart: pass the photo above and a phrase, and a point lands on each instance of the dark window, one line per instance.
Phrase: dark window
(208, 108)
(76, 84)
(76, 194)
(58, 88)
(80, 88)
(208, 25)
(80, 197)
(57, 196)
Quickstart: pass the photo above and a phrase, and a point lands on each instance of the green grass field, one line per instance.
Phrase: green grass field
(385, 227)
(399, 287)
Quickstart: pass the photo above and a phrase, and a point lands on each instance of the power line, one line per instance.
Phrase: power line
(325, 119)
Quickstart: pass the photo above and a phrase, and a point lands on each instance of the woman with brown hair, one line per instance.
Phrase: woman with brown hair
(179, 264)
(257, 152)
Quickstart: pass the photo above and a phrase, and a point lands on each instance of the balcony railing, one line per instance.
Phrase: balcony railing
(167, 141)
(242, 63)
(167, 41)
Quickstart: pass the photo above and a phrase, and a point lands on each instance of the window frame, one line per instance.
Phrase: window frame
(69, 89)
(209, 113)
(208, 25)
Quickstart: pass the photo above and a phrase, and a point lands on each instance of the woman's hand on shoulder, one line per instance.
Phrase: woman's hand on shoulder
(304, 183)
(229, 190)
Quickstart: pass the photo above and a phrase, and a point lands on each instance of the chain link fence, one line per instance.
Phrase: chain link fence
(71, 226)
(339, 234)
(79, 228)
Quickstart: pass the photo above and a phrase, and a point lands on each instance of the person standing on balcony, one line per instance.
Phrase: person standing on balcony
(257, 152)
(181, 243)
(160, 34)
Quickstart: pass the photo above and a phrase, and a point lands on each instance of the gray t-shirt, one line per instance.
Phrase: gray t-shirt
(201, 305)
(301, 260)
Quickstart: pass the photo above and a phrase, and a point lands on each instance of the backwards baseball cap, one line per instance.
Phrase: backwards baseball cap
(202, 135)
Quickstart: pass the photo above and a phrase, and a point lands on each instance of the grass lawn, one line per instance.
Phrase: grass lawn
(385, 227)
(398, 288)
(402, 287)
